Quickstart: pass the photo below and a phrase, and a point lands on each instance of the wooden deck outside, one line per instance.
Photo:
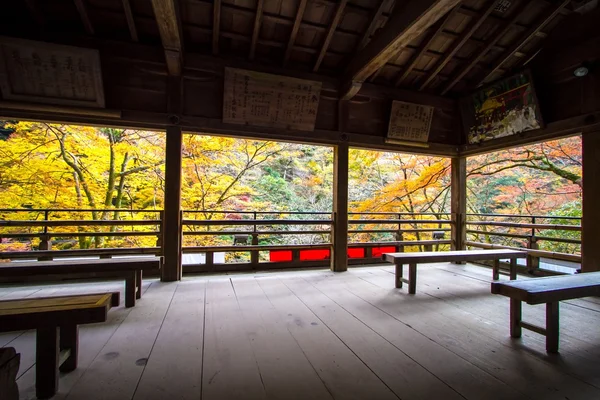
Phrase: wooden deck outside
(320, 335)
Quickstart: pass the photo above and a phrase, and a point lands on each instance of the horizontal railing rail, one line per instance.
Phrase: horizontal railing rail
(258, 233)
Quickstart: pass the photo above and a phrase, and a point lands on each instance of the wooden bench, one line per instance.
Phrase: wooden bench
(550, 290)
(56, 320)
(130, 268)
(412, 259)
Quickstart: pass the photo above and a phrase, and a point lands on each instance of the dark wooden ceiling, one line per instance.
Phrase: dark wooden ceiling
(477, 41)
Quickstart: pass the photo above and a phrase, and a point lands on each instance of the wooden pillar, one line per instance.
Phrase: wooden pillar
(458, 203)
(590, 222)
(171, 224)
(339, 237)
(171, 269)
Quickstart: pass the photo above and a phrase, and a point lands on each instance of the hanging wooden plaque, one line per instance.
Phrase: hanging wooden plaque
(255, 98)
(49, 73)
(410, 122)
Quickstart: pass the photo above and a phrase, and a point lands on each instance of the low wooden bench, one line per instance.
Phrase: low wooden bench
(412, 259)
(56, 320)
(550, 290)
(130, 268)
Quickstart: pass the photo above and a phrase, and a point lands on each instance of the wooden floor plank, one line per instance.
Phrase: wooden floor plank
(285, 370)
(116, 371)
(518, 369)
(403, 375)
(344, 374)
(230, 369)
(174, 368)
(456, 299)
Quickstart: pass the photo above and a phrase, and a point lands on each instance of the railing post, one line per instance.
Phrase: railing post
(159, 237)
(254, 253)
(533, 262)
(458, 203)
(45, 242)
(399, 236)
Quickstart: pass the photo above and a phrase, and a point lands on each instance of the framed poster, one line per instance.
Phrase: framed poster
(503, 108)
(274, 101)
(50, 73)
(409, 122)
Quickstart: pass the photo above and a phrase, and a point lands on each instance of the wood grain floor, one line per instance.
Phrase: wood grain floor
(319, 335)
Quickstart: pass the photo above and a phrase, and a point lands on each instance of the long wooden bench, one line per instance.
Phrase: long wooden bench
(550, 290)
(131, 269)
(56, 320)
(412, 259)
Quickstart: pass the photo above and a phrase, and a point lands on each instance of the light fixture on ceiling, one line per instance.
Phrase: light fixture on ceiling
(581, 71)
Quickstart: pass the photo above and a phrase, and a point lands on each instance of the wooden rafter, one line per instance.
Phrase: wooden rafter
(167, 18)
(256, 32)
(547, 16)
(375, 19)
(435, 31)
(216, 26)
(130, 20)
(458, 44)
(85, 18)
(408, 20)
(295, 27)
(334, 23)
(489, 44)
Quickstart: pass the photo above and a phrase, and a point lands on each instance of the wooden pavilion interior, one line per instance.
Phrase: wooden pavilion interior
(331, 72)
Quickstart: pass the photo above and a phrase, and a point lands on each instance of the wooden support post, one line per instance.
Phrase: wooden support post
(130, 287)
(69, 340)
(412, 278)
(172, 229)
(496, 271)
(46, 359)
(515, 318)
(458, 204)
(339, 256)
(552, 327)
(399, 275)
(138, 284)
(590, 228)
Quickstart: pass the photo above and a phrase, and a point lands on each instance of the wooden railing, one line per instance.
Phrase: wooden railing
(294, 237)
(542, 236)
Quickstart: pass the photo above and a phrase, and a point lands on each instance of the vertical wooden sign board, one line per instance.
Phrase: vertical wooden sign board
(409, 123)
(48, 73)
(255, 98)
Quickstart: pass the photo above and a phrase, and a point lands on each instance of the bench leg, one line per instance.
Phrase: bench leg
(552, 327)
(399, 274)
(138, 284)
(69, 340)
(130, 288)
(513, 269)
(46, 359)
(515, 318)
(412, 278)
(496, 274)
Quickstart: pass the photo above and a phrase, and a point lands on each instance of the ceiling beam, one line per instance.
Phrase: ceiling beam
(375, 19)
(489, 44)
(551, 12)
(339, 12)
(167, 18)
(408, 20)
(216, 26)
(459, 43)
(435, 31)
(130, 20)
(85, 18)
(295, 27)
(256, 32)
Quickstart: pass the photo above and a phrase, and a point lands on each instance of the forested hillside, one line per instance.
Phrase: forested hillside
(72, 167)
